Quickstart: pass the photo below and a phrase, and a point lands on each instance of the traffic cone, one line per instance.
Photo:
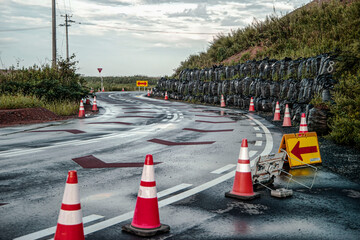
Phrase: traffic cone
(287, 118)
(70, 225)
(81, 110)
(103, 89)
(243, 186)
(92, 90)
(94, 107)
(303, 125)
(222, 104)
(277, 112)
(166, 96)
(148, 94)
(151, 91)
(123, 89)
(251, 107)
(146, 220)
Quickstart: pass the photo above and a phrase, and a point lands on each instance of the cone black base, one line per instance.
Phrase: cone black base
(143, 232)
(231, 195)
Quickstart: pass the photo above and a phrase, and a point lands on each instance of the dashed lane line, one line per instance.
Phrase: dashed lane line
(49, 231)
(224, 169)
(258, 143)
(256, 128)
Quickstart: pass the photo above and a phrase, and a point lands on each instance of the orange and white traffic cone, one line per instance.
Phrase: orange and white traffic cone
(151, 91)
(92, 90)
(81, 110)
(222, 104)
(123, 89)
(94, 107)
(251, 107)
(146, 220)
(243, 186)
(287, 118)
(166, 96)
(103, 89)
(277, 112)
(148, 94)
(303, 125)
(70, 225)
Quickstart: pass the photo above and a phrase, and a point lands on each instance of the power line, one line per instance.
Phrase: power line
(148, 30)
(22, 29)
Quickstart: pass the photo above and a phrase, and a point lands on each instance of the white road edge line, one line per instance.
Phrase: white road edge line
(51, 230)
(223, 169)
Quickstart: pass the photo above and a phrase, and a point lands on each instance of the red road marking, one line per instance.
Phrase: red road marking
(134, 117)
(136, 108)
(73, 131)
(200, 130)
(141, 112)
(168, 143)
(92, 162)
(211, 116)
(125, 123)
(214, 122)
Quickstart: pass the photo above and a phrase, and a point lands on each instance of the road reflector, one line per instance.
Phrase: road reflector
(302, 148)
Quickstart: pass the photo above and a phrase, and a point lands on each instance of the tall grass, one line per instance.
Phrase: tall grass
(61, 108)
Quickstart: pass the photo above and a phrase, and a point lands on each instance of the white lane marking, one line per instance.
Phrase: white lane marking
(223, 169)
(258, 143)
(252, 153)
(176, 116)
(162, 203)
(253, 124)
(87, 142)
(173, 189)
(256, 128)
(64, 143)
(51, 230)
(269, 139)
(20, 152)
(259, 135)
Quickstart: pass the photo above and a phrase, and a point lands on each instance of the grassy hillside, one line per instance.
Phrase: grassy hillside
(319, 27)
(311, 30)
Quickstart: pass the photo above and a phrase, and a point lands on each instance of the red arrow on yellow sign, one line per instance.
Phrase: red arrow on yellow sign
(297, 150)
(141, 83)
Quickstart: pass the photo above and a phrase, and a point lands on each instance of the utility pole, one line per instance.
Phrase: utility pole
(53, 34)
(67, 21)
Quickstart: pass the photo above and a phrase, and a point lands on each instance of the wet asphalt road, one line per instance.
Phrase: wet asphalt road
(191, 179)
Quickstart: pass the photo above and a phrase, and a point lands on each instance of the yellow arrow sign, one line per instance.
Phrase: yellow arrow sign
(141, 83)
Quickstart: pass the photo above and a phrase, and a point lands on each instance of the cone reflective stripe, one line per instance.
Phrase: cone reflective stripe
(287, 118)
(148, 94)
(243, 187)
(303, 125)
(146, 220)
(222, 101)
(251, 107)
(70, 225)
(166, 96)
(81, 110)
(94, 107)
(277, 112)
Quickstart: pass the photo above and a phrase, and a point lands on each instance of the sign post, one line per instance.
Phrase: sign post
(102, 84)
(141, 83)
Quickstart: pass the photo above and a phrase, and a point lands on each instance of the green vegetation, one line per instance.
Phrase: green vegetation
(57, 89)
(62, 108)
(118, 83)
(319, 27)
(311, 30)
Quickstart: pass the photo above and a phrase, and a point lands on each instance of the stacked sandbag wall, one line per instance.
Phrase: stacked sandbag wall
(293, 82)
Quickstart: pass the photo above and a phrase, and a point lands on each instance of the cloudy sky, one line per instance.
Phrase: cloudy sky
(124, 37)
